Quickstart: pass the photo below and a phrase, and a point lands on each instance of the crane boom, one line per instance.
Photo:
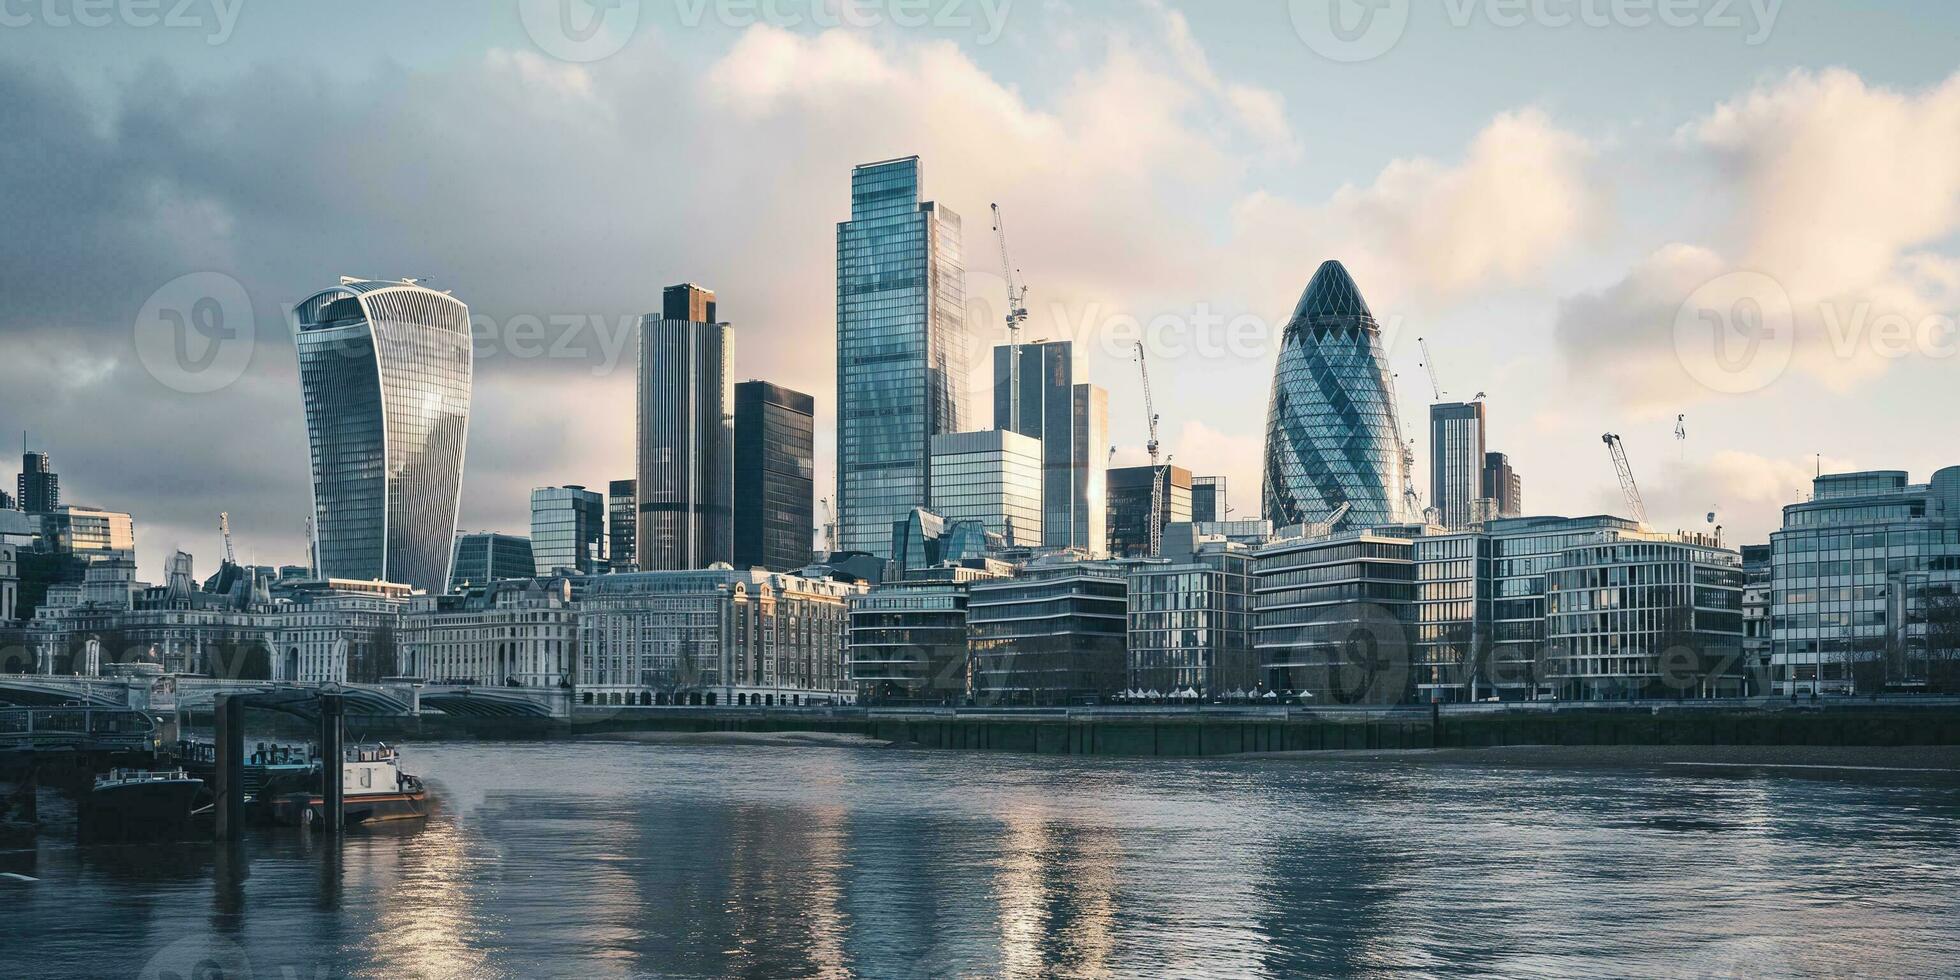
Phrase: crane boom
(1429, 364)
(224, 531)
(1156, 471)
(1017, 313)
(1627, 486)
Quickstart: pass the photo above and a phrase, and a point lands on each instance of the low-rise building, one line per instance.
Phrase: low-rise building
(1331, 617)
(515, 633)
(1190, 622)
(714, 637)
(909, 641)
(1055, 634)
(1645, 619)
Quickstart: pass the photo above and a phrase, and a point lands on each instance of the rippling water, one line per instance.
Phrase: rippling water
(631, 859)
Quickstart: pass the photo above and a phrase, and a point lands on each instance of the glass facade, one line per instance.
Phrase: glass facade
(1331, 616)
(1639, 619)
(1190, 625)
(1129, 506)
(1332, 435)
(908, 644)
(1503, 485)
(1865, 585)
(484, 558)
(1456, 460)
(622, 525)
(1053, 635)
(1208, 499)
(686, 434)
(902, 345)
(385, 376)
(39, 485)
(993, 477)
(775, 476)
(568, 531)
(1055, 410)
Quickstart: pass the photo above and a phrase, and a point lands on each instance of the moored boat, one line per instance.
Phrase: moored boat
(374, 789)
(140, 804)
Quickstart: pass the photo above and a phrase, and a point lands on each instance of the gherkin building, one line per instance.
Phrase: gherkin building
(1332, 436)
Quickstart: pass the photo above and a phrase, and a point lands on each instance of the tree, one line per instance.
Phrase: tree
(1943, 641)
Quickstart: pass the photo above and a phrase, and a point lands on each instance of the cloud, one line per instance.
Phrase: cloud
(1839, 194)
(1745, 491)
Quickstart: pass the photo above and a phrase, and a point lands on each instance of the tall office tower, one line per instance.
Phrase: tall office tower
(775, 476)
(622, 526)
(486, 556)
(1208, 499)
(1057, 411)
(901, 349)
(1456, 460)
(992, 476)
(568, 530)
(1503, 485)
(1129, 506)
(40, 488)
(385, 373)
(686, 434)
(1332, 435)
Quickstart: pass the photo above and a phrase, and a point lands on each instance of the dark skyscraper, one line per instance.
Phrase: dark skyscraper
(1072, 427)
(685, 434)
(1503, 485)
(1129, 506)
(485, 557)
(775, 471)
(622, 525)
(1456, 461)
(1208, 499)
(40, 488)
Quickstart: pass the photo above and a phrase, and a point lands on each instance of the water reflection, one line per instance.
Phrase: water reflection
(605, 859)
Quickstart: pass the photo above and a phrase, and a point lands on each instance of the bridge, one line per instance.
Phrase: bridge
(79, 729)
(171, 693)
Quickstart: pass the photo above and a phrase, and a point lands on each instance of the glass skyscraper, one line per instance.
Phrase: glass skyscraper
(486, 557)
(686, 434)
(775, 476)
(1332, 435)
(385, 373)
(1070, 420)
(568, 530)
(1457, 437)
(993, 477)
(622, 526)
(902, 346)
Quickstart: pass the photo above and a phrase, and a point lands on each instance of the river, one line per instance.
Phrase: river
(601, 858)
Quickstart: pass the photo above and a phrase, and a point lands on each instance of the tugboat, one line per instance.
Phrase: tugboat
(373, 790)
(140, 804)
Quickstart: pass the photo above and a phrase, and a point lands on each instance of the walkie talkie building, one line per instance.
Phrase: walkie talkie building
(385, 371)
(1332, 436)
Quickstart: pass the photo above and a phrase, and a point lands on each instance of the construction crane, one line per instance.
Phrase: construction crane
(1411, 499)
(1323, 528)
(1429, 365)
(1156, 472)
(1681, 434)
(312, 557)
(1017, 313)
(224, 531)
(1625, 470)
(829, 528)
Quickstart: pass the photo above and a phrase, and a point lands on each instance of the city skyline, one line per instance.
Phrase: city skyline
(1503, 313)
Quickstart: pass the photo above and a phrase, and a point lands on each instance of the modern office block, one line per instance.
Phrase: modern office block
(1072, 423)
(993, 477)
(1190, 623)
(1208, 504)
(1332, 435)
(908, 643)
(86, 530)
(775, 476)
(685, 435)
(902, 345)
(568, 531)
(1457, 434)
(1644, 619)
(925, 541)
(1866, 586)
(1129, 506)
(1331, 617)
(486, 556)
(622, 525)
(385, 375)
(1053, 635)
(1503, 485)
(39, 485)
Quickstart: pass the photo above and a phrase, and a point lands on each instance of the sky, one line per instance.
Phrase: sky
(1601, 214)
